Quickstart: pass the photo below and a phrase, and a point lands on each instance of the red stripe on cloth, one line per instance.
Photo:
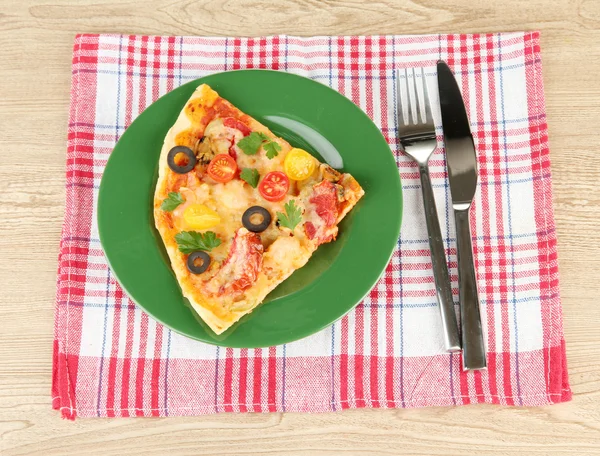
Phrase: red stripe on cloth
(485, 262)
(228, 380)
(236, 53)
(112, 362)
(170, 62)
(256, 405)
(359, 377)
(156, 65)
(142, 99)
(129, 62)
(72, 163)
(374, 380)
(63, 391)
(156, 368)
(479, 394)
(272, 381)
(275, 52)
(499, 205)
(84, 176)
(506, 361)
(354, 69)
(87, 59)
(262, 52)
(343, 369)
(87, 45)
(359, 358)
(369, 97)
(141, 365)
(154, 386)
(464, 386)
(341, 64)
(389, 348)
(250, 53)
(76, 136)
(372, 360)
(242, 398)
(126, 382)
(560, 358)
(369, 63)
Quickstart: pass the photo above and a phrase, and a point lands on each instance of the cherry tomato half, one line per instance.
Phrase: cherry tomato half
(299, 164)
(274, 186)
(222, 168)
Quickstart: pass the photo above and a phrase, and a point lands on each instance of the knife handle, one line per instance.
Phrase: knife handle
(438, 261)
(470, 318)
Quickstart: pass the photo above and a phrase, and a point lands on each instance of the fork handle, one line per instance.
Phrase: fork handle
(470, 317)
(438, 261)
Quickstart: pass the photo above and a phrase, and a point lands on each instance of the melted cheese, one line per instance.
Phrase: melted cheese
(234, 196)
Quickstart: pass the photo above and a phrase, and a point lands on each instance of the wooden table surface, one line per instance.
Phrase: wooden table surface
(36, 39)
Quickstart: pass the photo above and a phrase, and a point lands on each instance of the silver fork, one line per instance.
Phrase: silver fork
(417, 139)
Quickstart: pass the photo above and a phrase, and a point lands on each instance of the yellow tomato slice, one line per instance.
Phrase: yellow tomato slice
(200, 217)
(299, 164)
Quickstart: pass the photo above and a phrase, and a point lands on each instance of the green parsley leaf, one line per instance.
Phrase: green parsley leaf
(251, 176)
(251, 143)
(292, 216)
(172, 201)
(272, 149)
(190, 241)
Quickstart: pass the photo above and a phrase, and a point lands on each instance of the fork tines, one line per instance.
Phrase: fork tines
(413, 100)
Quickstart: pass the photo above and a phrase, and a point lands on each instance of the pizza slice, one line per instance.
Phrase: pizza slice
(239, 209)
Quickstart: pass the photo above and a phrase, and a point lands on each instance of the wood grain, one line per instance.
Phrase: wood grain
(36, 39)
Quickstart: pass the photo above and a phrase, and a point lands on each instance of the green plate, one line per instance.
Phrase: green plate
(308, 115)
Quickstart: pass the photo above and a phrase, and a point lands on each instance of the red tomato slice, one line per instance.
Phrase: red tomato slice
(222, 168)
(325, 200)
(240, 269)
(234, 123)
(274, 186)
(310, 230)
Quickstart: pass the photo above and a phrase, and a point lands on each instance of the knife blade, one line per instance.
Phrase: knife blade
(461, 160)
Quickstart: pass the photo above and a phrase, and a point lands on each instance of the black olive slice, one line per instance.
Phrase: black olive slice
(190, 159)
(256, 219)
(198, 261)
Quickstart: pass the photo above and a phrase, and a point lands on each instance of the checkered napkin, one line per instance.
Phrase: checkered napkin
(111, 359)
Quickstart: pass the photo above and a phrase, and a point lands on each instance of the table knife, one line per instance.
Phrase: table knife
(461, 160)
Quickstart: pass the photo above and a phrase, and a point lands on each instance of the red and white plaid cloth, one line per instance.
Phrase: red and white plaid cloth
(111, 359)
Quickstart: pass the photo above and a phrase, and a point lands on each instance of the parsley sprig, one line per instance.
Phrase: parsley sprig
(292, 216)
(190, 241)
(251, 144)
(272, 149)
(251, 176)
(172, 201)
